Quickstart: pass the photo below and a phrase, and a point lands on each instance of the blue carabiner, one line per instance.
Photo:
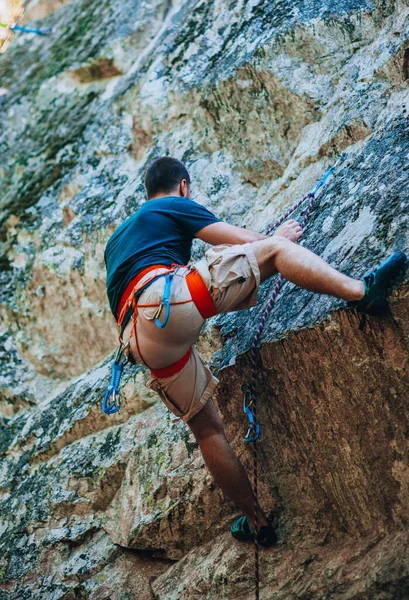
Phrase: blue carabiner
(110, 408)
(165, 303)
(113, 389)
(165, 300)
(253, 432)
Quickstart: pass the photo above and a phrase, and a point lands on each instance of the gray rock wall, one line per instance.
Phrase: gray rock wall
(257, 98)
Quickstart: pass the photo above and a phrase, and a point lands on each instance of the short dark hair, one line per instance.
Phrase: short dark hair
(164, 175)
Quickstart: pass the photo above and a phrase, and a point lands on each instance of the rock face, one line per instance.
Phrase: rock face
(257, 98)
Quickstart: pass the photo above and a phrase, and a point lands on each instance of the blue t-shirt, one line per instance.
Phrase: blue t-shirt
(159, 233)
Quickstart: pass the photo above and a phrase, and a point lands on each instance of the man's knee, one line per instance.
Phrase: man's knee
(206, 422)
(267, 249)
(266, 252)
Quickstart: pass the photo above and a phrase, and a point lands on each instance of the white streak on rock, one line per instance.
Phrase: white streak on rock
(353, 234)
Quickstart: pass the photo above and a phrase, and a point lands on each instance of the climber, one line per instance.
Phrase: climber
(160, 308)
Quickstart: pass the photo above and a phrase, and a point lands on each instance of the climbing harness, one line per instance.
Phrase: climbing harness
(128, 306)
(42, 31)
(127, 302)
(250, 391)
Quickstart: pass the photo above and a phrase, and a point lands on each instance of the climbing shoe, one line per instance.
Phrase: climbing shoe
(241, 530)
(378, 284)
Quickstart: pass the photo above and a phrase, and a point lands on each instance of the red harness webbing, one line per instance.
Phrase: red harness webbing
(200, 296)
(173, 368)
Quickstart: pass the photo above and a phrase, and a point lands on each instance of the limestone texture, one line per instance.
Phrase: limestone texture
(258, 98)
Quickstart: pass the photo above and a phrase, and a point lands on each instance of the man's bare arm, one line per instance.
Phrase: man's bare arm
(224, 233)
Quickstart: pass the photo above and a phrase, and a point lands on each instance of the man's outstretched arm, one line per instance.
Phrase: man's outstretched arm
(224, 233)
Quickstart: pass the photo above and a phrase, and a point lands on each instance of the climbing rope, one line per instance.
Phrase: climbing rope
(250, 391)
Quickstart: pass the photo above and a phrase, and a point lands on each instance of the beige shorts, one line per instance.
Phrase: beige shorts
(232, 276)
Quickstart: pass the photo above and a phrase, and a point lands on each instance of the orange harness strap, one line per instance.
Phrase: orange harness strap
(200, 296)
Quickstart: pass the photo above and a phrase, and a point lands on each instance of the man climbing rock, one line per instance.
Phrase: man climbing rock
(160, 305)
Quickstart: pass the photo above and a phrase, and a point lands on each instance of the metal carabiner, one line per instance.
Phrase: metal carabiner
(165, 303)
(110, 407)
(165, 300)
(253, 432)
(120, 352)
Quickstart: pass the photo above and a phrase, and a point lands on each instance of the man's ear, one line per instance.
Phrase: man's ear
(184, 188)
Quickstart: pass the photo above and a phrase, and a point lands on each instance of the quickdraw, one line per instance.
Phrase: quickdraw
(253, 431)
(109, 408)
(42, 31)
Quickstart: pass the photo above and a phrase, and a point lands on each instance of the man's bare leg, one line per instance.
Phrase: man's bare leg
(223, 464)
(304, 268)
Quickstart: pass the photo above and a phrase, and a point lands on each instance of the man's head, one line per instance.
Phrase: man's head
(167, 176)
